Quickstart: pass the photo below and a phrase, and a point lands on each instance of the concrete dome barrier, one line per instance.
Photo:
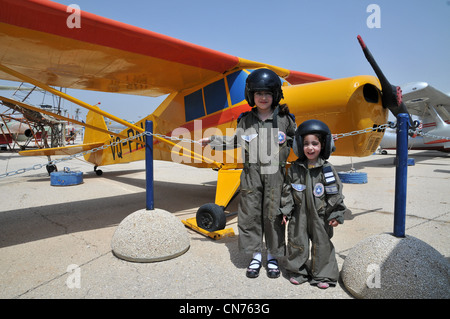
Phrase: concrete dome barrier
(149, 236)
(385, 266)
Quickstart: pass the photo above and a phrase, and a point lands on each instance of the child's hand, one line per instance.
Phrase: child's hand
(333, 223)
(205, 141)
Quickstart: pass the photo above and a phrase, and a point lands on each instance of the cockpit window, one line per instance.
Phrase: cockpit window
(215, 96)
(236, 83)
(193, 104)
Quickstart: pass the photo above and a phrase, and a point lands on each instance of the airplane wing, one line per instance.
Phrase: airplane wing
(40, 40)
(418, 95)
(433, 107)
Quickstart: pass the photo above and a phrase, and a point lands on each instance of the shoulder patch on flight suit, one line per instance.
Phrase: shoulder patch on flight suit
(330, 180)
(331, 189)
(329, 176)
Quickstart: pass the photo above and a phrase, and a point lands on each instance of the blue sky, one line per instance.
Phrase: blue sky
(411, 44)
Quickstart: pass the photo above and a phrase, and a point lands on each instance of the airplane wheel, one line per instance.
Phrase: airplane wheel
(51, 168)
(211, 217)
(99, 172)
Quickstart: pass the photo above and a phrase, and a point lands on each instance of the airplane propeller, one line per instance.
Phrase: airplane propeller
(391, 95)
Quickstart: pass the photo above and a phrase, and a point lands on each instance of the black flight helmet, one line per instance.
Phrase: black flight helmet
(263, 80)
(312, 127)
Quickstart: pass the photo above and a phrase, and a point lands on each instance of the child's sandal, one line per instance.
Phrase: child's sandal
(253, 272)
(273, 272)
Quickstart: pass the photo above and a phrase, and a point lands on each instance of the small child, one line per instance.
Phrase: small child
(259, 218)
(313, 202)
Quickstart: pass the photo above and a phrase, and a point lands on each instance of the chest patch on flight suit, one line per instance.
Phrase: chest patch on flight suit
(250, 137)
(318, 190)
(298, 187)
(281, 137)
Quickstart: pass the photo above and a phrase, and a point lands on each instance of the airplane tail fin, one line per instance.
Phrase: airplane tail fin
(91, 135)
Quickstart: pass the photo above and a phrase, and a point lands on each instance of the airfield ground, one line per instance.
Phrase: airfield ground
(48, 231)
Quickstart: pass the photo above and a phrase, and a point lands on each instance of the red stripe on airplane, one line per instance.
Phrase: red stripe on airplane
(219, 118)
(431, 124)
(50, 17)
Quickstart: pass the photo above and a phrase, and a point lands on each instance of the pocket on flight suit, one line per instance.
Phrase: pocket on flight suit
(297, 245)
(251, 198)
(296, 240)
(250, 208)
(295, 250)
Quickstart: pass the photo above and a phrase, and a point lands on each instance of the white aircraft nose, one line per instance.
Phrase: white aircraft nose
(413, 86)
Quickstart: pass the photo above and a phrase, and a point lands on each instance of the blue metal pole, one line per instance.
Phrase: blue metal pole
(401, 174)
(150, 204)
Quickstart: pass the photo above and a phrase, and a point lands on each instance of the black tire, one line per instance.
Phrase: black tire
(353, 177)
(211, 217)
(51, 168)
(99, 172)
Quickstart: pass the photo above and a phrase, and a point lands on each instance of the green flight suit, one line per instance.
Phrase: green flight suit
(262, 179)
(310, 200)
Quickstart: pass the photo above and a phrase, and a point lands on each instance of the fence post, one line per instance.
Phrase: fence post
(401, 173)
(150, 204)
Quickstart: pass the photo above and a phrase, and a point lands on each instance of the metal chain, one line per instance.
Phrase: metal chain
(93, 150)
(423, 134)
(173, 138)
(366, 130)
(54, 162)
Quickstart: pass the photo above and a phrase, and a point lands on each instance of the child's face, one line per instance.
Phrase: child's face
(263, 100)
(311, 146)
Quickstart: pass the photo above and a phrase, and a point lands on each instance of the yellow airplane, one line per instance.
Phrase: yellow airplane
(205, 89)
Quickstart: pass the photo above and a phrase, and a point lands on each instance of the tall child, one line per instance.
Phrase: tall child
(262, 181)
(313, 203)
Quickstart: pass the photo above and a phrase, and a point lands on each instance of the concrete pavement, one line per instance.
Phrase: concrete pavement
(55, 242)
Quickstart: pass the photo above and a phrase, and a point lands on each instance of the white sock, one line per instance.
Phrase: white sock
(270, 265)
(254, 264)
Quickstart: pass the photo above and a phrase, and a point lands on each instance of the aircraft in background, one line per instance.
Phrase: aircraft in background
(19, 131)
(13, 129)
(205, 90)
(431, 108)
(16, 132)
